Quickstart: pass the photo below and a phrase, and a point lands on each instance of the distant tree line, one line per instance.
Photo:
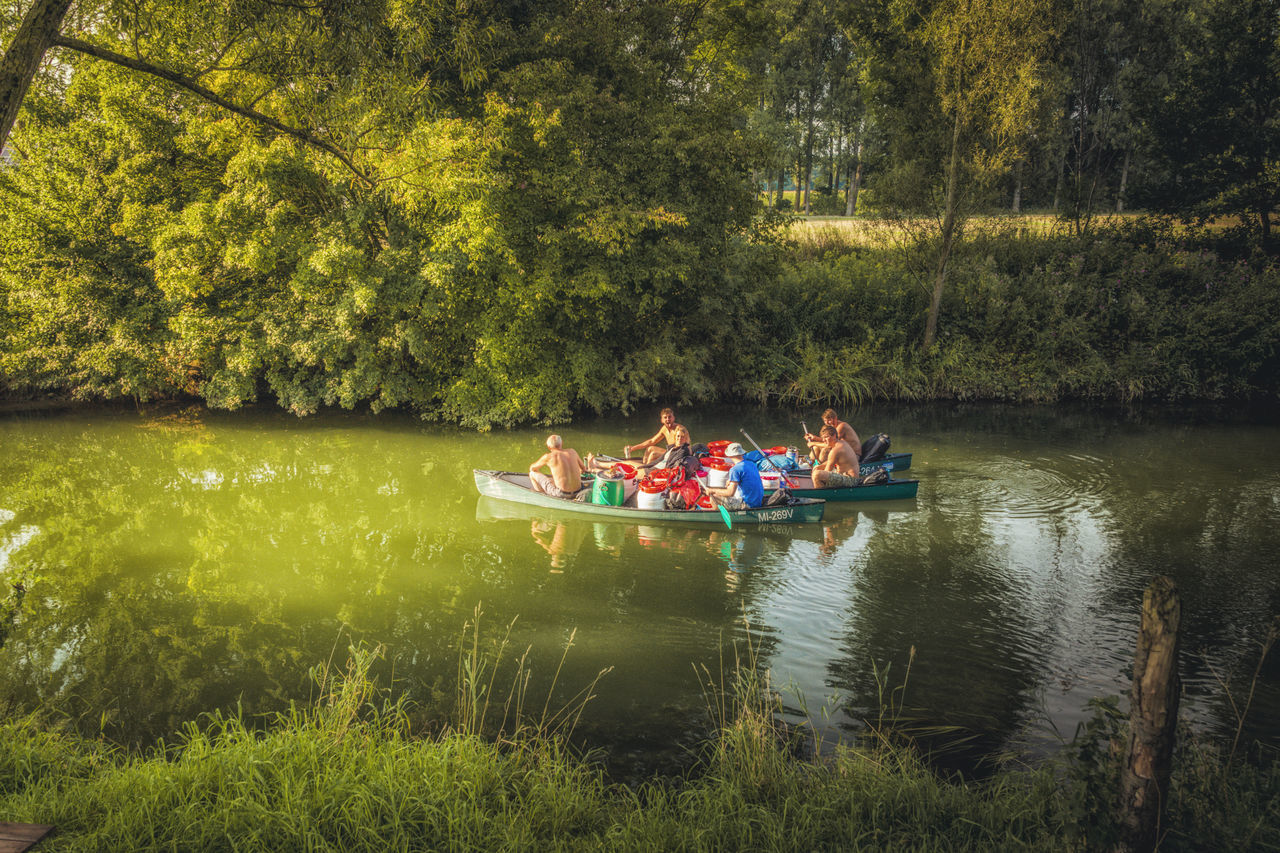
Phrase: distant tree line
(1100, 105)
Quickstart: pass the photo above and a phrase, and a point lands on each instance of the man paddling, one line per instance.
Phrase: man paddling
(839, 470)
(818, 447)
(667, 434)
(745, 489)
(566, 470)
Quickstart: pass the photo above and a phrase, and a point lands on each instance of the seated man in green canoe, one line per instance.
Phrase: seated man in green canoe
(566, 470)
(745, 489)
(675, 454)
(818, 447)
(839, 469)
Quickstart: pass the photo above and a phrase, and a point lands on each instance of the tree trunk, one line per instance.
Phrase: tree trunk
(855, 183)
(808, 153)
(1017, 188)
(23, 58)
(1124, 181)
(837, 165)
(855, 178)
(1062, 176)
(1265, 217)
(1153, 718)
(948, 236)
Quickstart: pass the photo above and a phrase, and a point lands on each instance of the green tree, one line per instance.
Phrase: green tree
(1210, 100)
(533, 228)
(959, 83)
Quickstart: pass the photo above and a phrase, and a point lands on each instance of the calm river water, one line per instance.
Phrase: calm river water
(184, 561)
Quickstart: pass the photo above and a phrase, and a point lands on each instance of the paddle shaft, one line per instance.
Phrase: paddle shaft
(769, 459)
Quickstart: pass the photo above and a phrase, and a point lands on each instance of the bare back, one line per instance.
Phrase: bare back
(566, 468)
(846, 434)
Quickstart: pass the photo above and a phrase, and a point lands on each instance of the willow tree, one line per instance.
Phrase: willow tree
(989, 61)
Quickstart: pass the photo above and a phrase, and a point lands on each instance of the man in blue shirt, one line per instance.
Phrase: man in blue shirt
(744, 490)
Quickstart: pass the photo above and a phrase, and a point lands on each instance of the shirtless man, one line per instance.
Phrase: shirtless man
(676, 453)
(840, 470)
(566, 470)
(652, 452)
(818, 448)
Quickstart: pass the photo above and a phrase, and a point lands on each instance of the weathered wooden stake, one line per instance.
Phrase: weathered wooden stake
(1153, 718)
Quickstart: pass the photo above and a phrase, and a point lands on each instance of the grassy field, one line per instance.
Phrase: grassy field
(869, 232)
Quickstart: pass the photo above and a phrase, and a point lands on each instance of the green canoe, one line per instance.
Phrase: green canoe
(894, 490)
(510, 486)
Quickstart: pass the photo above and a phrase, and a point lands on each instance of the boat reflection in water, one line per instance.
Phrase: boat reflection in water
(567, 538)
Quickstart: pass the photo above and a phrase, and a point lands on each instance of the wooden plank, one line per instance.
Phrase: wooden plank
(19, 837)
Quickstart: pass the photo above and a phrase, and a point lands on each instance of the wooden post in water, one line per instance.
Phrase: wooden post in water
(1153, 717)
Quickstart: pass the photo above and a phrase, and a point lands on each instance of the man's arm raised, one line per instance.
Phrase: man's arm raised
(642, 445)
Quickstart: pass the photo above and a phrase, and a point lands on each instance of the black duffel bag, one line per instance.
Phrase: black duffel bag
(874, 448)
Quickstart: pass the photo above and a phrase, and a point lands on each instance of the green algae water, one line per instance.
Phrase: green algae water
(161, 566)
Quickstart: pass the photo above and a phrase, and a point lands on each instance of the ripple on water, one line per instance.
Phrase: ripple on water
(1041, 488)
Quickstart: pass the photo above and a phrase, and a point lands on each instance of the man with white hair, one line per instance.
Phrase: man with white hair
(566, 470)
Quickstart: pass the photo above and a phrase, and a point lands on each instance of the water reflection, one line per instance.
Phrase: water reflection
(562, 536)
(178, 566)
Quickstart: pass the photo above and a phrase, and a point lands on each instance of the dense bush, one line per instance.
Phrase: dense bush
(1031, 318)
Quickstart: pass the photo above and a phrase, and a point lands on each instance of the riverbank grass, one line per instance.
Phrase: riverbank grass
(350, 774)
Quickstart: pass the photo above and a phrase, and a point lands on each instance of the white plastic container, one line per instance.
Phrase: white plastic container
(771, 480)
(650, 500)
(716, 478)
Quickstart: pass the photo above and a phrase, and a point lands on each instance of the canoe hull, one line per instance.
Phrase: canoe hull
(894, 490)
(901, 462)
(509, 486)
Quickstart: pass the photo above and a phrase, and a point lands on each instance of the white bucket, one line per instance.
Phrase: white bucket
(770, 479)
(716, 478)
(650, 500)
